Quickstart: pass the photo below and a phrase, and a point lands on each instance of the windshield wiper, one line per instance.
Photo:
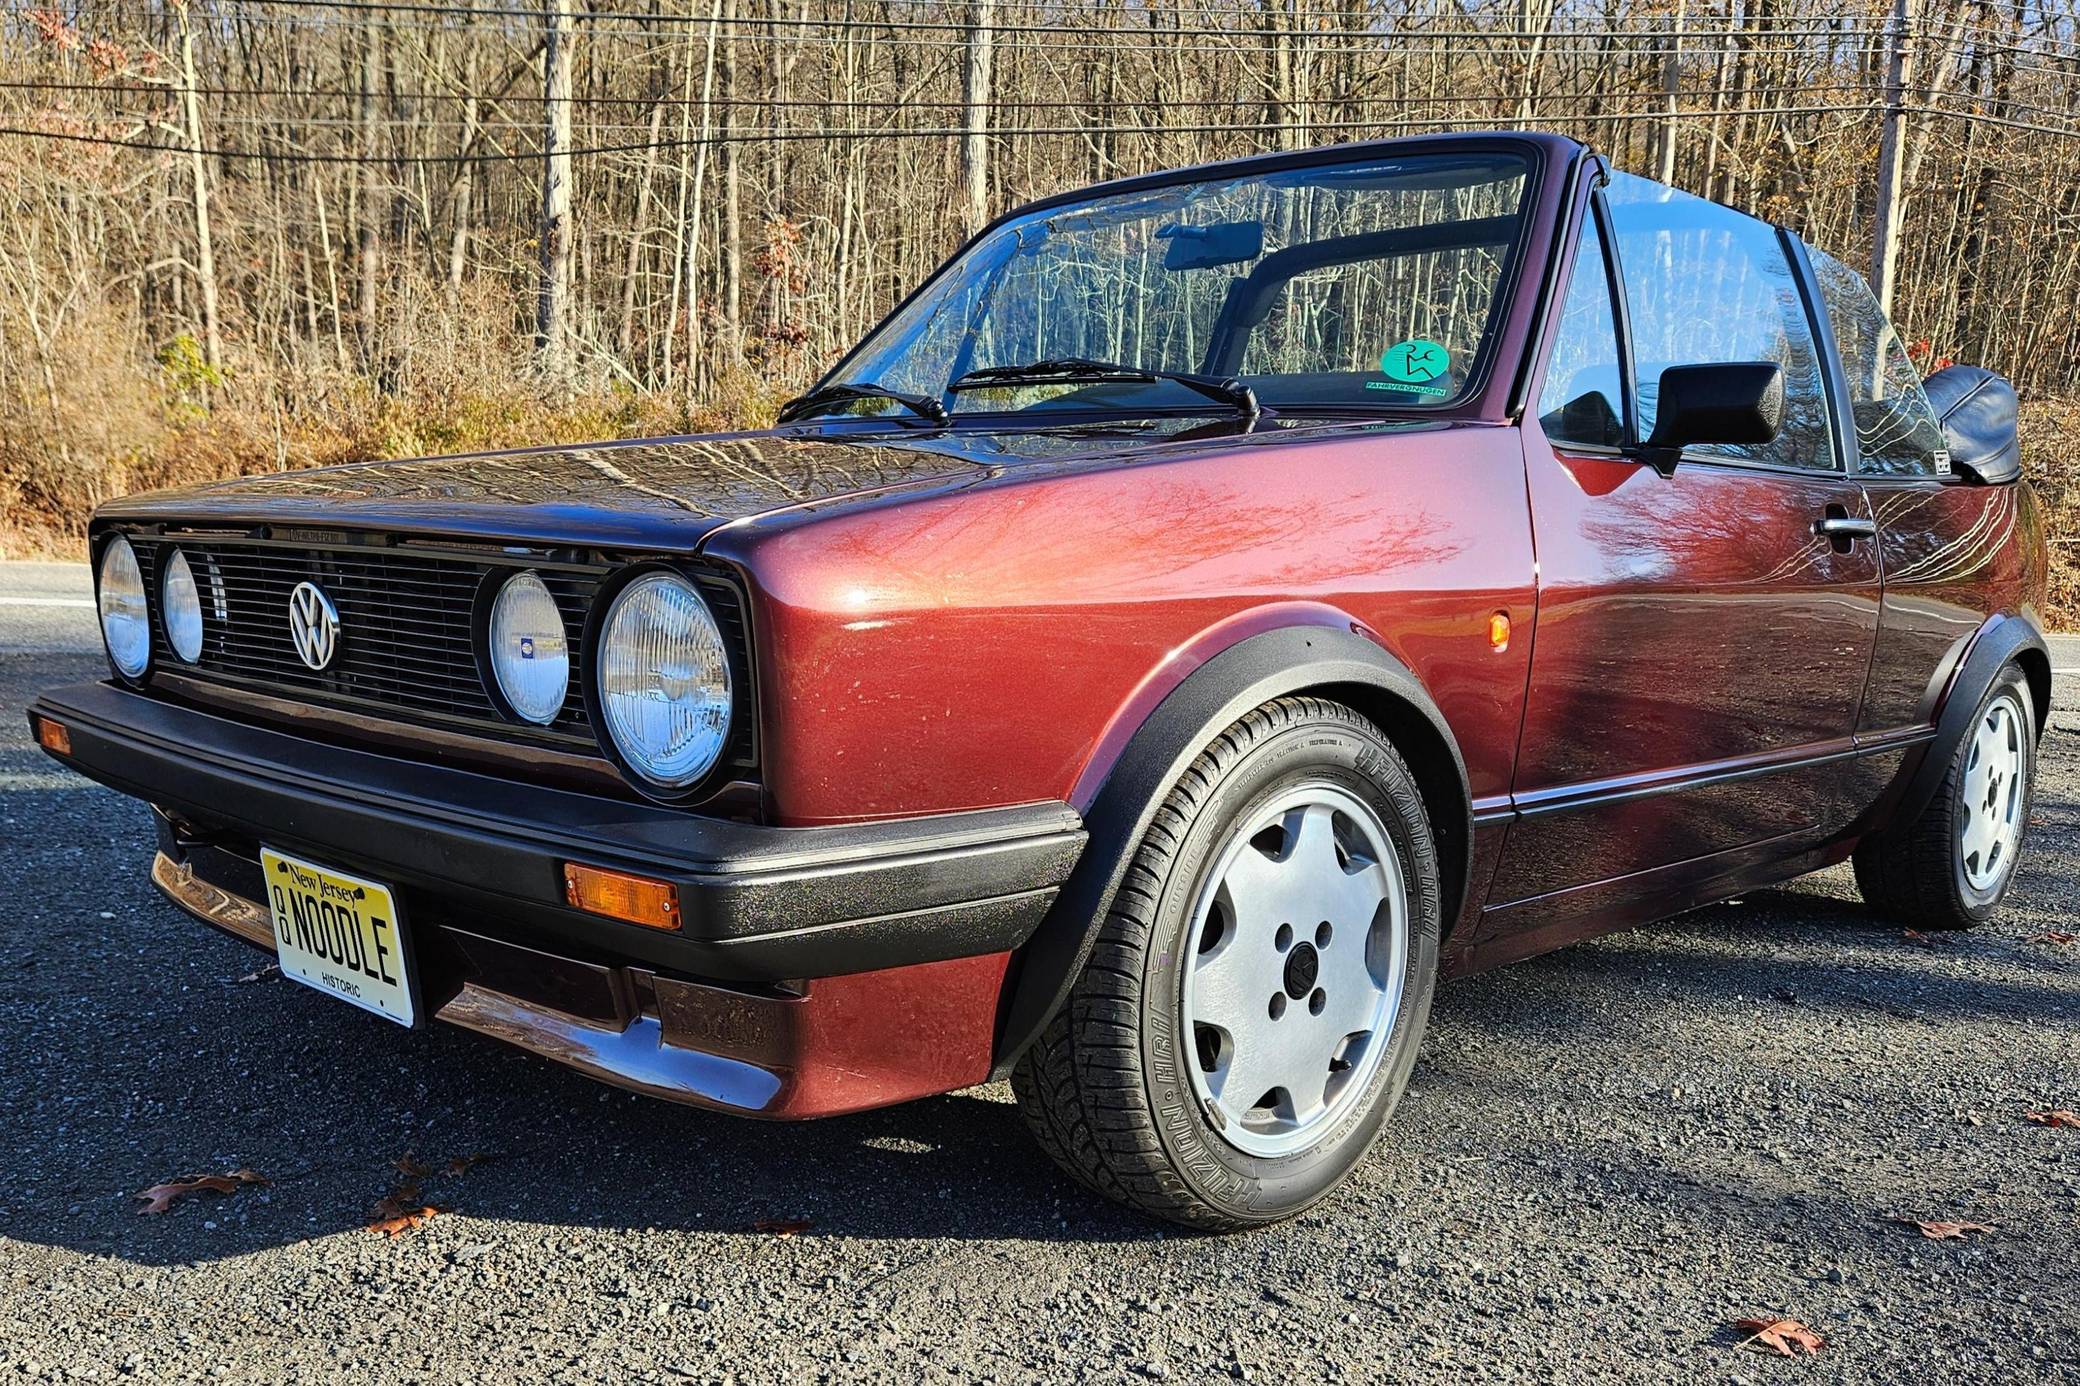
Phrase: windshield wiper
(865, 389)
(1076, 370)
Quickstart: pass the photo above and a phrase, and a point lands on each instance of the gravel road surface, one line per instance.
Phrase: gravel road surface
(1606, 1155)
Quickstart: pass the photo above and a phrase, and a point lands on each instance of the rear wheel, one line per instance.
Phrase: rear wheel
(1950, 866)
(1251, 1009)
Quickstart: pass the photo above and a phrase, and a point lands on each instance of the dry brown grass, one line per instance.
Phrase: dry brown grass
(104, 431)
(81, 425)
(2051, 460)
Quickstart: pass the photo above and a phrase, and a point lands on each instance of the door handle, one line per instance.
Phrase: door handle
(1844, 527)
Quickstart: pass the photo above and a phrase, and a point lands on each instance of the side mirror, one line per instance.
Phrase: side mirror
(1726, 402)
(1977, 411)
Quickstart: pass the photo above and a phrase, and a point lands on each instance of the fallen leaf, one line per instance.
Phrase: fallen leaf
(160, 1197)
(2058, 936)
(262, 975)
(1918, 939)
(404, 1220)
(401, 1210)
(462, 1164)
(2061, 1117)
(782, 1227)
(1943, 1231)
(1785, 1337)
(408, 1165)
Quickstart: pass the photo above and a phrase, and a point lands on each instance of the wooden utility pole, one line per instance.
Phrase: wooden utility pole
(1886, 221)
(1671, 89)
(975, 96)
(205, 255)
(552, 326)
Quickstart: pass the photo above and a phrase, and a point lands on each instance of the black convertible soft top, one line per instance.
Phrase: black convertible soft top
(1977, 409)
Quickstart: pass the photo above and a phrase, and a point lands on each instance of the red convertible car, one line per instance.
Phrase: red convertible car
(1214, 607)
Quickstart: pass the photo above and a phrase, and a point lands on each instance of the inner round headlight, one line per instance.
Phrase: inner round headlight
(125, 624)
(530, 657)
(663, 680)
(180, 607)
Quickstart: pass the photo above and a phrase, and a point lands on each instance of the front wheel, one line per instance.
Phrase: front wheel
(1252, 1007)
(1950, 866)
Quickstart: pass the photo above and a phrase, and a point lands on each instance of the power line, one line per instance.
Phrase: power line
(1657, 94)
(1844, 27)
(1600, 28)
(839, 133)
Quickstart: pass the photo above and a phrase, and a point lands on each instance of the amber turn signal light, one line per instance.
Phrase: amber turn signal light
(53, 737)
(618, 895)
(1498, 631)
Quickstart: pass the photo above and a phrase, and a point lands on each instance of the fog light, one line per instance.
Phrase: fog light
(618, 895)
(180, 608)
(529, 656)
(53, 737)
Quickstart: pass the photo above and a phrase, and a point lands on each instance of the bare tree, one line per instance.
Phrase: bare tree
(552, 316)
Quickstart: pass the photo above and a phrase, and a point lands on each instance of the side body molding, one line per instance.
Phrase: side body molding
(1328, 661)
(2001, 640)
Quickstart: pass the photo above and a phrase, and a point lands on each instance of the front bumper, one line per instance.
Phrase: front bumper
(815, 970)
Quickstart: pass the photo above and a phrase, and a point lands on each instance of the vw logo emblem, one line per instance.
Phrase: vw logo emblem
(313, 625)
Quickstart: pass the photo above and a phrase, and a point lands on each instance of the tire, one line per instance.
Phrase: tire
(1136, 1086)
(1942, 869)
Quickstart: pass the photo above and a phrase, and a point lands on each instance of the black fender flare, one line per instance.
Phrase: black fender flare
(1330, 661)
(2001, 641)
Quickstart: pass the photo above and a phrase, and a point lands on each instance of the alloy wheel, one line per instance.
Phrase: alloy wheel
(1300, 940)
(1991, 801)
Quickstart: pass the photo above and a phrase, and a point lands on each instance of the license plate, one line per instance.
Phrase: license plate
(338, 933)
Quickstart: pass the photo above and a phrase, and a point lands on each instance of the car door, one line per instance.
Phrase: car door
(1703, 636)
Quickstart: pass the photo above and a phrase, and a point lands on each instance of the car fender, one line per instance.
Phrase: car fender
(2001, 640)
(1335, 661)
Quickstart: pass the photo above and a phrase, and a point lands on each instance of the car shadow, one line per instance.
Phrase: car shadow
(558, 1150)
(144, 1048)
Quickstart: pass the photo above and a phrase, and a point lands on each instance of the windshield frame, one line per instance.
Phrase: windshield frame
(1511, 317)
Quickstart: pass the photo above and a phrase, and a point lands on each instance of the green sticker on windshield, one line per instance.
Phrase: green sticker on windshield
(1416, 361)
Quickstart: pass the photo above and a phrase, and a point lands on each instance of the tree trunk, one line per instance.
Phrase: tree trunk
(369, 254)
(552, 311)
(205, 254)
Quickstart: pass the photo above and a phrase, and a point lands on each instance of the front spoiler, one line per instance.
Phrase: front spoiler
(757, 903)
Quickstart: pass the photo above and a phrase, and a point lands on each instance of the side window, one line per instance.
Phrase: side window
(1706, 284)
(1582, 400)
(1897, 433)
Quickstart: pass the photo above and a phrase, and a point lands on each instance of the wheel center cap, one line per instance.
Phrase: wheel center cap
(1303, 965)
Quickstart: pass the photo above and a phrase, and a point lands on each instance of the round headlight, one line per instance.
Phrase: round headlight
(663, 680)
(124, 623)
(180, 607)
(529, 656)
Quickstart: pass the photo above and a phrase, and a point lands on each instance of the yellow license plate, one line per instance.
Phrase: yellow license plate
(338, 933)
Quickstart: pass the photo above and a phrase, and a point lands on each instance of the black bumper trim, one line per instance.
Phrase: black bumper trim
(757, 903)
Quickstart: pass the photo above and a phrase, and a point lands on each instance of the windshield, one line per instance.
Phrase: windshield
(1365, 286)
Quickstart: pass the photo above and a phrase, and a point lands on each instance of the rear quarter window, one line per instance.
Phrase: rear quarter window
(1897, 433)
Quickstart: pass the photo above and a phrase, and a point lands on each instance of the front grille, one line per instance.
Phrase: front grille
(407, 648)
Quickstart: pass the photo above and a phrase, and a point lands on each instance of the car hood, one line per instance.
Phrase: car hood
(658, 493)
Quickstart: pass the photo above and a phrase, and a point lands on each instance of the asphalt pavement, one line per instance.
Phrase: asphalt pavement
(1607, 1156)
